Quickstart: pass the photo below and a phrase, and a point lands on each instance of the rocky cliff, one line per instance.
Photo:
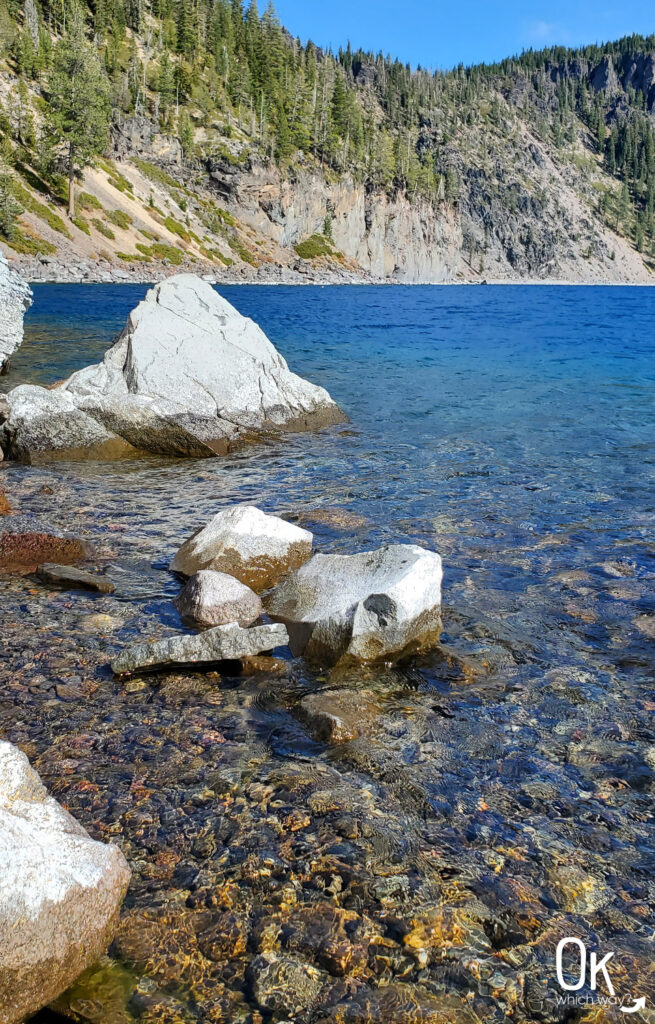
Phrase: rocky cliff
(539, 169)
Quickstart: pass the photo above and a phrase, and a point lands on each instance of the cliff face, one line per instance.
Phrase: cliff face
(525, 192)
(527, 218)
(15, 298)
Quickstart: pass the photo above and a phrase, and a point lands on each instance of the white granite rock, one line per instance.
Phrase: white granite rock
(371, 606)
(213, 599)
(15, 299)
(60, 892)
(188, 376)
(244, 542)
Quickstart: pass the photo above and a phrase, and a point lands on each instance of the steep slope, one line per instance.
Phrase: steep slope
(286, 163)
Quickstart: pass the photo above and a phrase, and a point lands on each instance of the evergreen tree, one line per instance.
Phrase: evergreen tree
(10, 209)
(79, 110)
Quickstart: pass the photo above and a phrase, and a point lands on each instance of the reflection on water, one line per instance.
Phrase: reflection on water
(495, 796)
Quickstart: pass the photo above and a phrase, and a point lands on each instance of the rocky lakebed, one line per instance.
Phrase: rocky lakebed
(297, 767)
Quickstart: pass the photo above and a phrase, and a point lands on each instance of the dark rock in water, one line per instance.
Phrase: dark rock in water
(223, 643)
(244, 542)
(26, 542)
(213, 599)
(336, 716)
(261, 663)
(284, 984)
(366, 607)
(69, 578)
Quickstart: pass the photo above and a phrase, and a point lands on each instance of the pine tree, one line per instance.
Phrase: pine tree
(10, 209)
(79, 111)
(185, 132)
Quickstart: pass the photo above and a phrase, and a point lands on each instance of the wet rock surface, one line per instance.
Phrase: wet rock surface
(244, 542)
(60, 892)
(26, 541)
(419, 860)
(69, 578)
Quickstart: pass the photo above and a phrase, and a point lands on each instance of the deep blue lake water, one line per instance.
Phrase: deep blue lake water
(513, 430)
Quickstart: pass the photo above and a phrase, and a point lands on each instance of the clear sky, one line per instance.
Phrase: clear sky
(440, 34)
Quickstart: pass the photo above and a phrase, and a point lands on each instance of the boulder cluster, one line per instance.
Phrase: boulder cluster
(373, 606)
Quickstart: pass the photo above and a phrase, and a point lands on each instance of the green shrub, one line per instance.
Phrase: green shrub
(81, 223)
(28, 202)
(120, 218)
(176, 228)
(237, 246)
(86, 201)
(115, 177)
(315, 246)
(30, 244)
(132, 257)
(161, 251)
(100, 226)
(149, 235)
(155, 173)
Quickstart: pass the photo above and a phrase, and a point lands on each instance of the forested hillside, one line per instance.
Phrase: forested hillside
(196, 131)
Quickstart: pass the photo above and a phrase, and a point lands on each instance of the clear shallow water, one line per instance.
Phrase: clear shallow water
(501, 795)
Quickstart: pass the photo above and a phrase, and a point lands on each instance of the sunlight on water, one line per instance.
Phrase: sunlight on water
(499, 795)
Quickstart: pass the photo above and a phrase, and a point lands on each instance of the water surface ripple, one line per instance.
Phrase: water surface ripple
(500, 795)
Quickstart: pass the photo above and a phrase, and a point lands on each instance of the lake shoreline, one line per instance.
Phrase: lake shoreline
(50, 270)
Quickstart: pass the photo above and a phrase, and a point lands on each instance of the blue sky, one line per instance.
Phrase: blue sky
(440, 34)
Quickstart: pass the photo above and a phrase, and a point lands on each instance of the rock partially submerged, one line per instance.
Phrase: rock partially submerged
(26, 542)
(15, 299)
(60, 892)
(188, 376)
(244, 542)
(223, 643)
(213, 599)
(370, 606)
(67, 577)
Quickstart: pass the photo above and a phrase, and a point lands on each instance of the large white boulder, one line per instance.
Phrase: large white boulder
(366, 607)
(15, 298)
(187, 376)
(60, 892)
(257, 549)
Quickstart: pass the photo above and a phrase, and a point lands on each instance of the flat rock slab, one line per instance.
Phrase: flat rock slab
(60, 892)
(244, 542)
(69, 578)
(223, 643)
(212, 598)
(373, 606)
(26, 542)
